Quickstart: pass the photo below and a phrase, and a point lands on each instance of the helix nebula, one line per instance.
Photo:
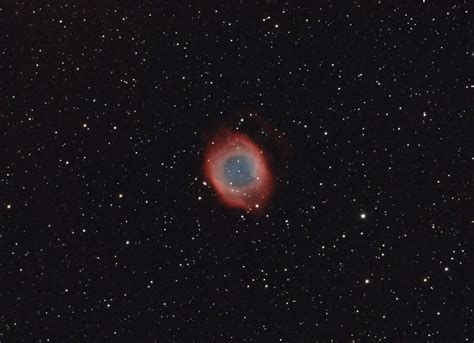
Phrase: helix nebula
(238, 171)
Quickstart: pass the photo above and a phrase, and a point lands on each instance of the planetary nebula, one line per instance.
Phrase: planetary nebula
(238, 171)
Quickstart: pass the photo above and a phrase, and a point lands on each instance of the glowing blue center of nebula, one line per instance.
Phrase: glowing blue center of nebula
(239, 170)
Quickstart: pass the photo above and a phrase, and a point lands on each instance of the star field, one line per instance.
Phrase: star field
(109, 231)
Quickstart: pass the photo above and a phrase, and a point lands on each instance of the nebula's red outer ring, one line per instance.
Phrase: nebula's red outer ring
(256, 193)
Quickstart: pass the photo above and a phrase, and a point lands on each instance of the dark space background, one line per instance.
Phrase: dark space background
(108, 232)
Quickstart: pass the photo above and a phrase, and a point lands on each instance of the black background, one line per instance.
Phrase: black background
(108, 232)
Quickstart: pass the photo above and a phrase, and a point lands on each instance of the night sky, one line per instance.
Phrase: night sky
(111, 231)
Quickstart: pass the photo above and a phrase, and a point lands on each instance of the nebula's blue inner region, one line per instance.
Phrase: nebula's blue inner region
(239, 170)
